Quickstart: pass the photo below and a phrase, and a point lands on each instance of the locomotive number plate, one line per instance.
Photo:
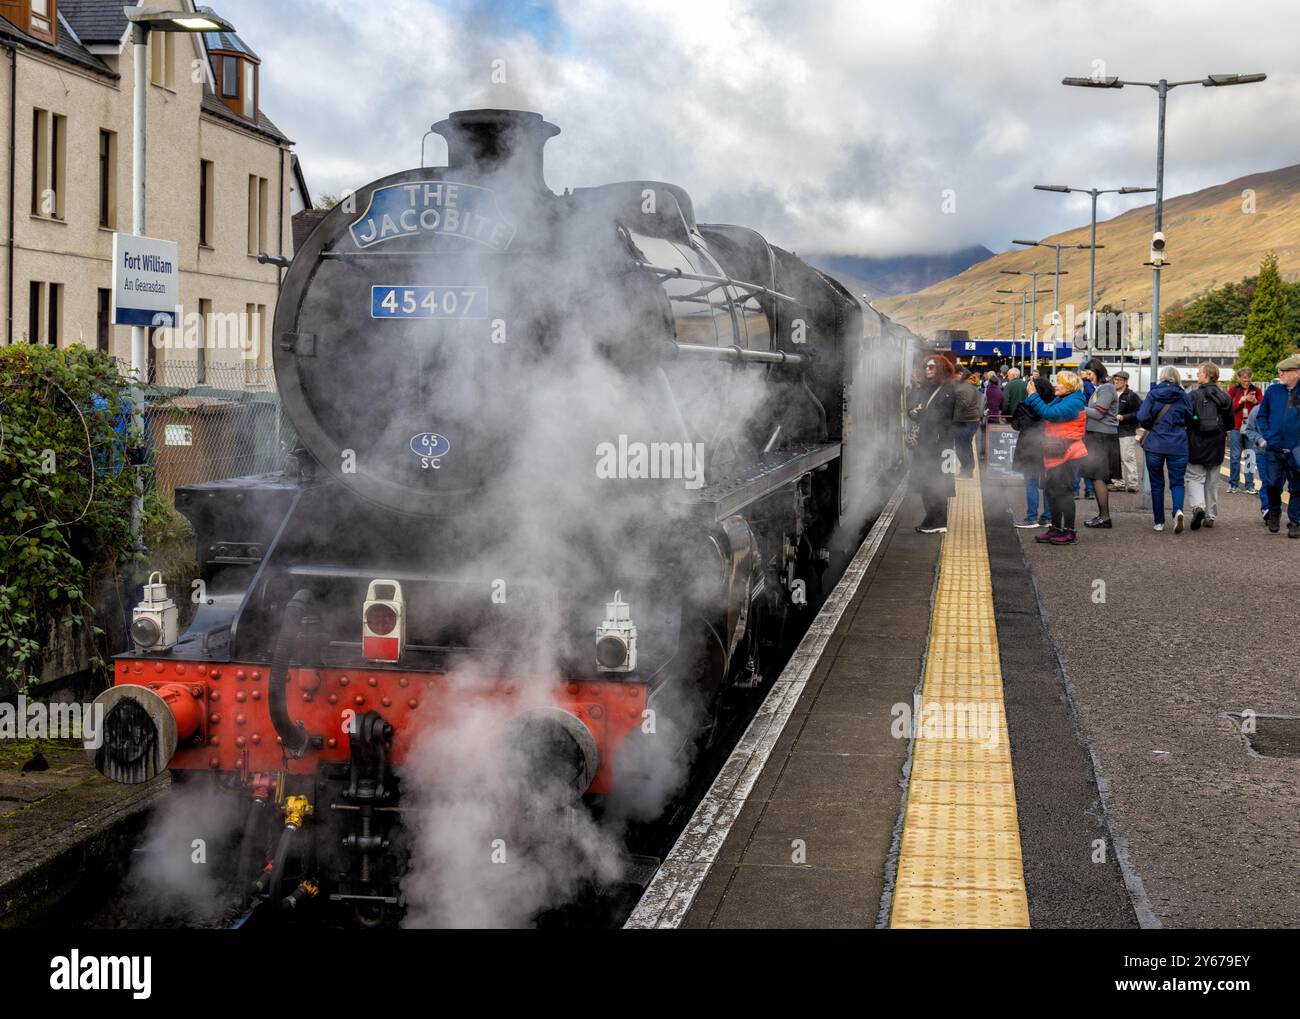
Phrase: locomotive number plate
(388, 301)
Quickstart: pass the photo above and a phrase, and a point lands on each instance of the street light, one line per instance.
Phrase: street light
(143, 21)
(1161, 89)
(1091, 332)
(1024, 317)
(1033, 275)
(1056, 310)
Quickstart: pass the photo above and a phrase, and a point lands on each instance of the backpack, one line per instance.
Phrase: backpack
(1208, 421)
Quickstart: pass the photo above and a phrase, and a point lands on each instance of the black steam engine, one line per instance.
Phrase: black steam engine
(576, 464)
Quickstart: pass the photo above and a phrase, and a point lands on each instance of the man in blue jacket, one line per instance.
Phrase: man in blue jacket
(1279, 425)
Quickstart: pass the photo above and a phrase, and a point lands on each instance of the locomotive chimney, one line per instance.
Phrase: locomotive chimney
(491, 141)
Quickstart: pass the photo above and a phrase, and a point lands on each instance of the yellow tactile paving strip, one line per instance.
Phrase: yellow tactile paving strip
(959, 863)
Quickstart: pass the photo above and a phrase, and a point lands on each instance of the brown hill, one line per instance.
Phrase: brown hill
(1211, 241)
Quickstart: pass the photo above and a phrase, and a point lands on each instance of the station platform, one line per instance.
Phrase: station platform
(918, 764)
(63, 829)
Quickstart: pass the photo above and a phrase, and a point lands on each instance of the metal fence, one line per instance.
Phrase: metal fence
(205, 422)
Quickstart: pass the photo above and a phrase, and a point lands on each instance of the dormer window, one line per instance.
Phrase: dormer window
(42, 15)
(234, 66)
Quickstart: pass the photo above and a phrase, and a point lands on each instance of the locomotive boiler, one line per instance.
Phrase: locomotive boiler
(572, 466)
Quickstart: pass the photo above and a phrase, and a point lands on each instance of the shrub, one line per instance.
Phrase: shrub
(65, 493)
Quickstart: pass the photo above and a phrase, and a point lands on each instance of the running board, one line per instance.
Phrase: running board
(764, 476)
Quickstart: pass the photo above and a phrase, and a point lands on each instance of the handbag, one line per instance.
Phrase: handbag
(1142, 433)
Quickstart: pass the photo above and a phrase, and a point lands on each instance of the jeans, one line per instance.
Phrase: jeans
(963, 432)
(1032, 495)
(1203, 487)
(1088, 489)
(1156, 463)
(1279, 471)
(1236, 444)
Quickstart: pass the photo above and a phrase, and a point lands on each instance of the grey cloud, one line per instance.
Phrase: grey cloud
(834, 126)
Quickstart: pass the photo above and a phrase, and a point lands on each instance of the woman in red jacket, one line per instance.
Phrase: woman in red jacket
(1062, 446)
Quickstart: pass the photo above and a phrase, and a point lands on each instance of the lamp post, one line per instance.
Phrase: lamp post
(143, 21)
(1056, 311)
(1161, 88)
(1033, 275)
(1158, 260)
(1090, 333)
(1024, 317)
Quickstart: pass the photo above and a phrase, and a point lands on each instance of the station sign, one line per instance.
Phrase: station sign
(1011, 348)
(146, 281)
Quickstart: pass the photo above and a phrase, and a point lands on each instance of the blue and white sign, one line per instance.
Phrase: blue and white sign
(395, 301)
(1011, 348)
(146, 281)
(430, 444)
(432, 207)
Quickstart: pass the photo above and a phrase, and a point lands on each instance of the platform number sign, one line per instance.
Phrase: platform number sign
(969, 346)
(392, 301)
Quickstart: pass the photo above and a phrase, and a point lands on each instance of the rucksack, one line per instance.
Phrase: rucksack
(1208, 421)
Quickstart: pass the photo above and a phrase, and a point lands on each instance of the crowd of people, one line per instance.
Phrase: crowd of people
(1089, 427)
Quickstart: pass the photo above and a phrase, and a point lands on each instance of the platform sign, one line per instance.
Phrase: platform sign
(1000, 449)
(1012, 349)
(146, 281)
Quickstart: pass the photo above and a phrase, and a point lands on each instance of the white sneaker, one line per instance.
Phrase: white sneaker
(1160, 527)
(1178, 522)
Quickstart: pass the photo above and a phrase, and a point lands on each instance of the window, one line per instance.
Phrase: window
(258, 202)
(201, 355)
(49, 162)
(35, 302)
(161, 51)
(236, 77)
(250, 90)
(108, 179)
(40, 159)
(257, 352)
(56, 314)
(206, 190)
(152, 340)
(41, 20)
(230, 77)
(103, 319)
(58, 161)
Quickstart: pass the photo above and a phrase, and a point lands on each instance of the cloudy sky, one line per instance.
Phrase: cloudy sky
(840, 126)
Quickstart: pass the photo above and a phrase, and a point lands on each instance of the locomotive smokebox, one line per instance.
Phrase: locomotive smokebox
(489, 142)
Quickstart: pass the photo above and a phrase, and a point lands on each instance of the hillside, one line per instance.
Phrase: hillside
(1211, 241)
(901, 274)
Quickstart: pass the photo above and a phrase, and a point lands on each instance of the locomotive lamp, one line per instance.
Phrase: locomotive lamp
(153, 621)
(616, 638)
(383, 622)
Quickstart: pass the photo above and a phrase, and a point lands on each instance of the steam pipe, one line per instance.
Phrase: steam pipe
(293, 735)
(739, 353)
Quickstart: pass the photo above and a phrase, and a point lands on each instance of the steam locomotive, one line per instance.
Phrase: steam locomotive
(572, 466)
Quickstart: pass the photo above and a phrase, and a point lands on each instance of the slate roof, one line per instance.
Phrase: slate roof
(228, 41)
(214, 106)
(95, 21)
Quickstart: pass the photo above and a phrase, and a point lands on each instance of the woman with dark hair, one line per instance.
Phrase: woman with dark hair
(1028, 457)
(932, 409)
(1101, 438)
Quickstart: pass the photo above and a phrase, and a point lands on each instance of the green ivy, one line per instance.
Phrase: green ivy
(65, 493)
